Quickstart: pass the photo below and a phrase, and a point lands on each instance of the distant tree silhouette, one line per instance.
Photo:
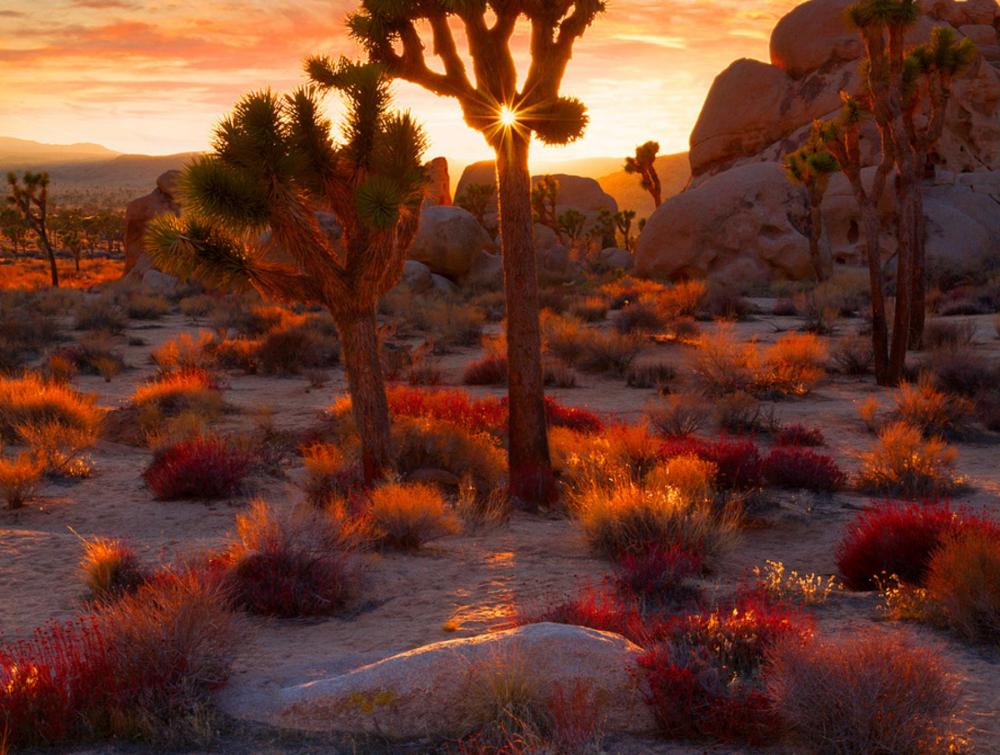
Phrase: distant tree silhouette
(12, 226)
(544, 198)
(508, 118)
(274, 165)
(623, 221)
(572, 223)
(31, 200)
(644, 165)
(811, 167)
(476, 199)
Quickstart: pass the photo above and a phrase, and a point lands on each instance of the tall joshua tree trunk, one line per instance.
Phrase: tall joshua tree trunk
(359, 336)
(527, 430)
(871, 226)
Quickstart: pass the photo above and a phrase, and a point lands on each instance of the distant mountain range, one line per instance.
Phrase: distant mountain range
(89, 171)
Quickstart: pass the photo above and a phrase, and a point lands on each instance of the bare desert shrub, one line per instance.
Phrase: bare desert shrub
(143, 306)
(934, 412)
(329, 474)
(658, 375)
(488, 370)
(794, 364)
(904, 463)
(943, 333)
(683, 299)
(638, 317)
(742, 414)
(102, 313)
(405, 516)
(205, 467)
(177, 392)
(864, 694)
(32, 401)
(679, 415)
(693, 477)
(507, 709)
(853, 355)
(962, 371)
(964, 580)
(587, 348)
(591, 309)
(296, 564)
(174, 637)
(722, 366)
(60, 448)
(93, 354)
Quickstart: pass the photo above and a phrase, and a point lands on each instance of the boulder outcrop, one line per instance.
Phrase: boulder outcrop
(450, 242)
(432, 691)
(756, 113)
(139, 213)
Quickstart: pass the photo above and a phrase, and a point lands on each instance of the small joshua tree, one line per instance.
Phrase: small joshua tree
(476, 199)
(544, 198)
(508, 118)
(275, 164)
(31, 200)
(12, 227)
(572, 224)
(811, 167)
(623, 222)
(644, 165)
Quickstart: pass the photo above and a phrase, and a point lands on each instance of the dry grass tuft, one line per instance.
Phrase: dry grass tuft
(865, 694)
(405, 516)
(964, 580)
(32, 401)
(20, 478)
(110, 568)
(904, 463)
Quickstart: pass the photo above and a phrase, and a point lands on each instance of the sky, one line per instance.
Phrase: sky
(155, 76)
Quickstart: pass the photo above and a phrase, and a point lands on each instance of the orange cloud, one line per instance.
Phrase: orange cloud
(154, 77)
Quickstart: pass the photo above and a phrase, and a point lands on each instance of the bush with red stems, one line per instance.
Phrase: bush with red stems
(598, 610)
(206, 467)
(799, 468)
(56, 686)
(659, 577)
(738, 461)
(703, 680)
(900, 539)
(480, 415)
(799, 435)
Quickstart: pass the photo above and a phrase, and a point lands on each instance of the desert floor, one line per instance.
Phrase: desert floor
(460, 585)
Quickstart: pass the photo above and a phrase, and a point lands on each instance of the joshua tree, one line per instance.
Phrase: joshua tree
(544, 198)
(931, 71)
(12, 227)
(897, 84)
(507, 118)
(644, 165)
(31, 200)
(476, 198)
(842, 136)
(603, 228)
(572, 223)
(274, 166)
(623, 221)
(811, 167)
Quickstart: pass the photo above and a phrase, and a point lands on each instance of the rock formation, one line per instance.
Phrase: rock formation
(756, 113)
(139, 213)
(450, 242)
(438, 192)
(430, 691)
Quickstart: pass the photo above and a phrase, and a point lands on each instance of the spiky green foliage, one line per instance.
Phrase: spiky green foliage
(812, 163)
(193, 248)
(887, 12)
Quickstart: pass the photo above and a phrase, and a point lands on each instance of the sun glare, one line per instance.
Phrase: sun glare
(507, 117)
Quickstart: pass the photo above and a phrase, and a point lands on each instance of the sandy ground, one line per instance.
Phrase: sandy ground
(468, 583)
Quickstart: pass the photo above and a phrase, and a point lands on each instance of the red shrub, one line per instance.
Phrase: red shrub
(800, 468)
(738, 461)
(899, 539)
(799, 435)
(288, 584)
(692, 700)
(570, 417)
(55, 686)
(596, 610)
(658, 577)
(205, 467)
(480, 415)
(490, 370)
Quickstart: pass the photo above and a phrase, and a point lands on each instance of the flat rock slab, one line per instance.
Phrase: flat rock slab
(426, 692)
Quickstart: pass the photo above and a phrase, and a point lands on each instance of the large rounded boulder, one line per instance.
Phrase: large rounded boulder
(139, 213)
(745, 225)
(432, 691)
(452, 243)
